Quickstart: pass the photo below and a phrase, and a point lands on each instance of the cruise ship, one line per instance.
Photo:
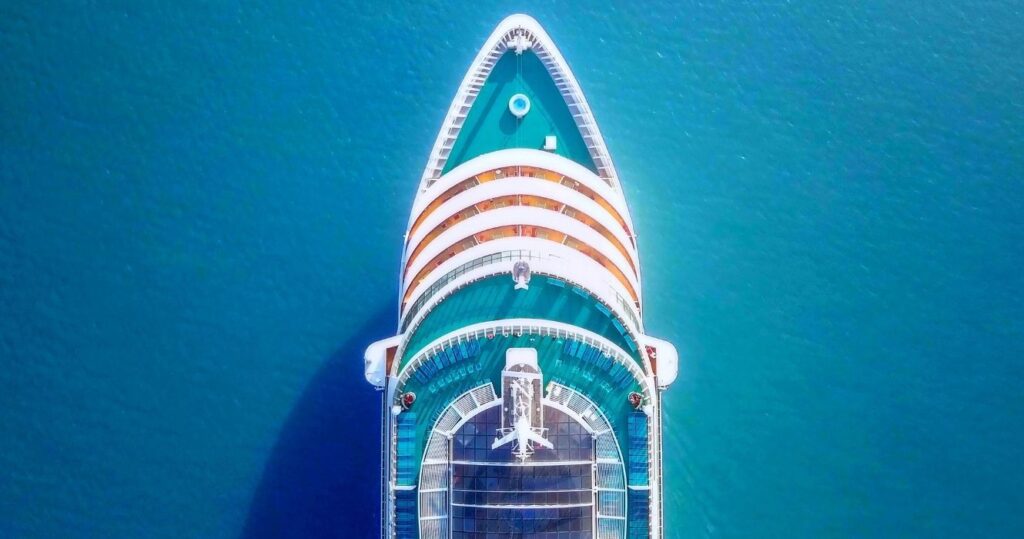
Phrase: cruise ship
(522, 397)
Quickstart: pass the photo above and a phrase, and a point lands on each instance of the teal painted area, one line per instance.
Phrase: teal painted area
(490, 126)
(494, 298)
(603, 381)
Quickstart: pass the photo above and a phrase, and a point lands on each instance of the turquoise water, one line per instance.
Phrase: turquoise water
(201, 212)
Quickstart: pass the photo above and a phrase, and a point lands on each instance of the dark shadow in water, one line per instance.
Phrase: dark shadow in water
(322, 478)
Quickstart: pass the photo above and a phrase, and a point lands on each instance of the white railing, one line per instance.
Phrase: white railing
(559, 71)
(525, 326)
(623, 310)
(655, 466)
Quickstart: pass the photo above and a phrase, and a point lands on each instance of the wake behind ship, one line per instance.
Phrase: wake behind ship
(521, 394)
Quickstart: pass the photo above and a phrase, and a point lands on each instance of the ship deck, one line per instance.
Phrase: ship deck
(563, 361)
(452, 474)
(490, 127)
(494, 298)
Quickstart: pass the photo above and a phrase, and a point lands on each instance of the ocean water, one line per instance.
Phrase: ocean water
(202, 204)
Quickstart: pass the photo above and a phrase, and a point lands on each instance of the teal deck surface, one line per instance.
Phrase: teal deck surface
(494, 298)
(490, 126)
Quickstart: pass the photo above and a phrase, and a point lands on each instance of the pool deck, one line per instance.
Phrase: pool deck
(570, 363)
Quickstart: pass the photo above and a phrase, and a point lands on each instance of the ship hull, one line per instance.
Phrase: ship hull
(520, 393)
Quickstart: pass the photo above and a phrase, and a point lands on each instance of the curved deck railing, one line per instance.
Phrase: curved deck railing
(495, 46)
(622, 305)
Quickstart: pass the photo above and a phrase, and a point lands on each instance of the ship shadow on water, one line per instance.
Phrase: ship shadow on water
(321, 479)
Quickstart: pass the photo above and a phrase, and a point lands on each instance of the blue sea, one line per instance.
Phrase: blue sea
(201, 214)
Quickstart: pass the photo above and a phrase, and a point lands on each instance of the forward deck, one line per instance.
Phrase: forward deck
(489, 126)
